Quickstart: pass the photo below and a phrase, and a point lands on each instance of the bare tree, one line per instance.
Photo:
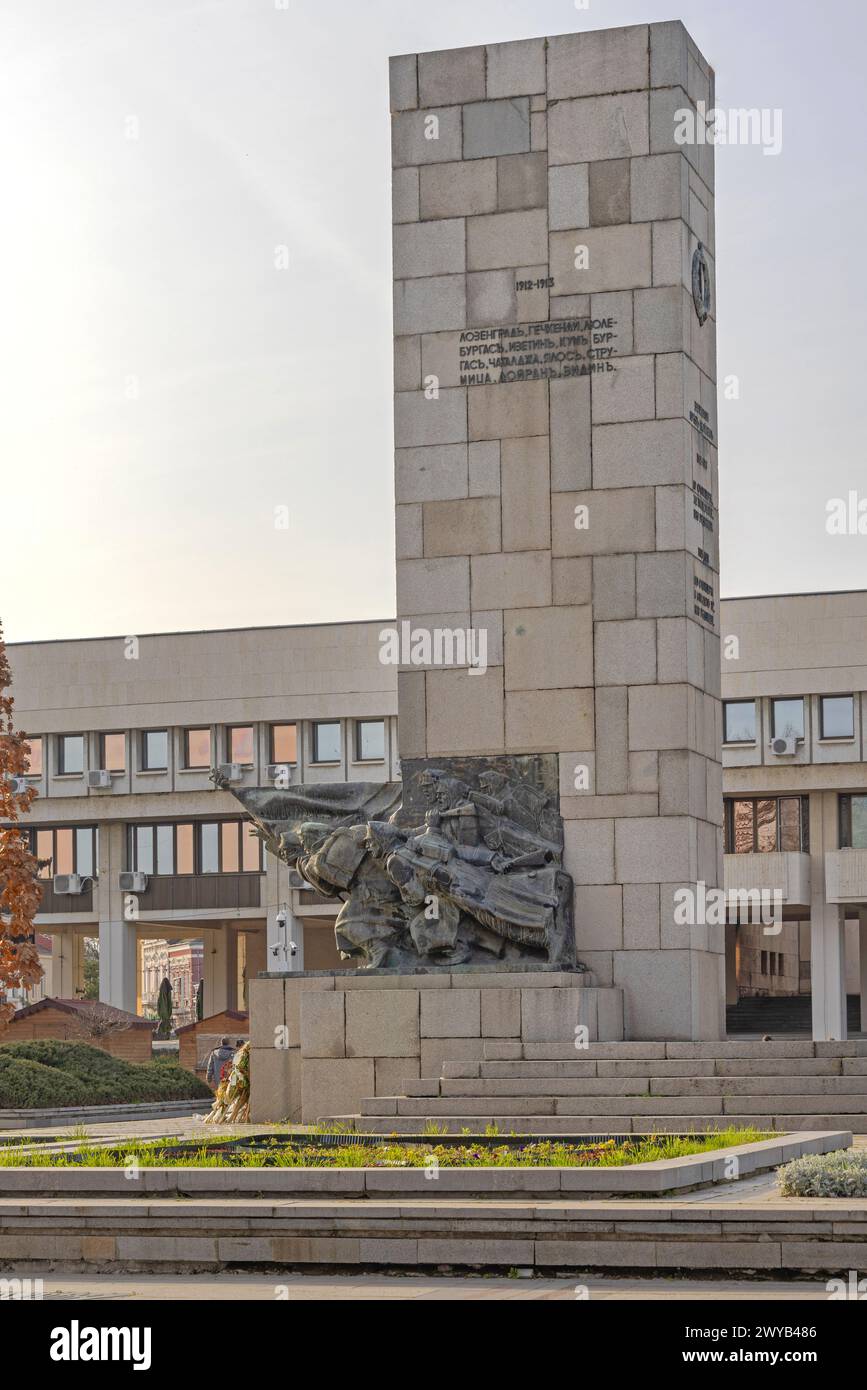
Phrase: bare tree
(97, 1020)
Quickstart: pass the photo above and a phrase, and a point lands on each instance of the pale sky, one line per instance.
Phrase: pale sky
(165, 388)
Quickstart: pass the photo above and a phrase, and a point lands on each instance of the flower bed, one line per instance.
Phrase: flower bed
(281, 1153)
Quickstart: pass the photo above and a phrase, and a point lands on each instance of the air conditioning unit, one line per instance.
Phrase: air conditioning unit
(784, 747)
(99, 779)
(68, 884)
(284, 771)
(132, 882)
(231, 771)
(16, 784)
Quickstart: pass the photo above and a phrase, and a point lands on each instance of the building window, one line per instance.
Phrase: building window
(185, 849)
(766, 825)
(155, 750)
(284, 743)
(143, 848)
(837, 716)
(787, 718)
(853, 822)
(251, 849)
(70, 754)
(112, 752)
(326, 742)
(158, 849)
(197, 748)
(370, 740)
(34, 757)
(241, 745)
(66, 849)
(240, 848)
(739, 721)
(85, 851)
(165, 849)
(206, 847)
(209, 848)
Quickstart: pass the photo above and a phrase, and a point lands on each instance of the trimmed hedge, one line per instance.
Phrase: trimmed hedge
(842, 1173)
(45, 1072)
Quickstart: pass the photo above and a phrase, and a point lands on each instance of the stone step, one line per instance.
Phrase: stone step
(507, 1049)
(759, 1086)
(547, 1125)
(657, 1086)
(532, 1087)
(712, 1105)
(663, 1067)
(435, 1230)
(604, 1106)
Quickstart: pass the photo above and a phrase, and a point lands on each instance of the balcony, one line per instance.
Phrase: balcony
(64, 904)
(201, 892)
(846, 876)
(786, 872)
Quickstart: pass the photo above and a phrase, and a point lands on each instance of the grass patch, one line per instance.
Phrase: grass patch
(46, 1073)
(392, 1153)
(842, 1173)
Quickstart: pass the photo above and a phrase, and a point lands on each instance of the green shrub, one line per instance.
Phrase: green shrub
(842, 1173)
(31, 1086)
(46, 1072)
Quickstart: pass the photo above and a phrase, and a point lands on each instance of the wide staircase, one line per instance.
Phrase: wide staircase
(783, 1014)
(622, 1088)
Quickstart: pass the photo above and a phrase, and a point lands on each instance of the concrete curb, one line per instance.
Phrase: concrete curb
(99, 1114)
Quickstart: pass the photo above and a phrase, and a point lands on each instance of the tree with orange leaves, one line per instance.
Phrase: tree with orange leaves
(20, 892)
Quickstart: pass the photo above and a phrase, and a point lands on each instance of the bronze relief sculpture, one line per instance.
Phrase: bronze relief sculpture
(461, 863)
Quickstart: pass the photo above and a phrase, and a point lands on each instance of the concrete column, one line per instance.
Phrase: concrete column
(731, 964)
(217, 962)
(67, 965)
(827, 928)
(862, 952)
(118, 943)
(118, 964)
(256, 957)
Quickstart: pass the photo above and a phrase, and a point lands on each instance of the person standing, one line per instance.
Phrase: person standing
(217, 1060)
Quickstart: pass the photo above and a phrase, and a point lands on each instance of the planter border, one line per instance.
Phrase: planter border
(96, 1114)
(650, 1179)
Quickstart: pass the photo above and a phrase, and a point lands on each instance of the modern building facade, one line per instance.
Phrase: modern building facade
(794, 677)
(124, 732)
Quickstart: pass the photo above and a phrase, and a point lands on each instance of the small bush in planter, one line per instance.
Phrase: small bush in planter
(842, 1173)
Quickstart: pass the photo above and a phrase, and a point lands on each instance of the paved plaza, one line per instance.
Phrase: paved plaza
(377, 1288)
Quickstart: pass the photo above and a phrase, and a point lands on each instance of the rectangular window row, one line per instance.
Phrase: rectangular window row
(197, 753)
(195, 847)
(836, 718)
(66, 849)
(189, 847)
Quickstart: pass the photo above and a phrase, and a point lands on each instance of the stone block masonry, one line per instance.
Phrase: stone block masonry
(322, 1042)
(556, 465)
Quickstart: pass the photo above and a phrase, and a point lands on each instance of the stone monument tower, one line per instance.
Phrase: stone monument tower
(557, 620)
(556, 470)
